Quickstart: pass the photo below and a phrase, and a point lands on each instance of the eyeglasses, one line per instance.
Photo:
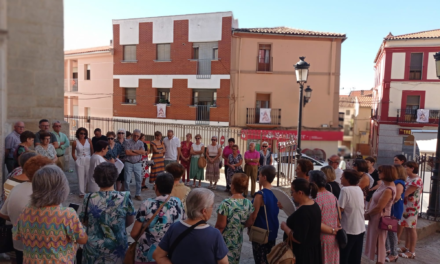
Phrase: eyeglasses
(110, 138)
(82, 133)
(264, 146)
(214, 139)
(121, 133)
(197, 138)
(135, 135)
(57, 126)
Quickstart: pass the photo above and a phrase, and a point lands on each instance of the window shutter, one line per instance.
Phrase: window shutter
(130, 53)
(163, 52)
(167, 51)
(416, 61)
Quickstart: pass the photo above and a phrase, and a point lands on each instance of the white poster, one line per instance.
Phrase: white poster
(161, 110)
(265, 115)
(422, 115)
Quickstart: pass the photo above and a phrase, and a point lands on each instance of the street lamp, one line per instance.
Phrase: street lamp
(302, 73)
(434, 198)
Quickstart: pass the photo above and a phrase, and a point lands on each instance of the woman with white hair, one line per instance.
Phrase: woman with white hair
(265, 157)
(58, 227)
(214, 151)
(120, 140)
(193, 238)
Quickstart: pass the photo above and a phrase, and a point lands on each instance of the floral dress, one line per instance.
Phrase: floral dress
(329, 215)
(411, 204)
(185, 149)
(232, 160)
(171, 212)
(237, 211)
(105, 227)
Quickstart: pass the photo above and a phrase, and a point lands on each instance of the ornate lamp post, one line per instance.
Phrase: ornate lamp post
(302, 73)
(434, 198)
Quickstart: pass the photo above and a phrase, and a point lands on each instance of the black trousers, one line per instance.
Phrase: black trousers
(19, 256)
(352, 253)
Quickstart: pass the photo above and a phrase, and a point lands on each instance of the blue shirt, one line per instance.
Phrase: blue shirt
(204, 245)
(272, 214)
(397, 208)
(115, 151)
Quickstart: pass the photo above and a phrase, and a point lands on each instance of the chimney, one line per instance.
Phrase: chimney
(362, 92)
(111, 43)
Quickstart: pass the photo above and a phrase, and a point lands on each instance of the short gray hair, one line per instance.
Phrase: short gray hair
(264, 142)
(136, 131)
(170, 130)
(25, 157)
(252, 143)
(49, 187)
(56, 122)
(105, 174)
(197, 200)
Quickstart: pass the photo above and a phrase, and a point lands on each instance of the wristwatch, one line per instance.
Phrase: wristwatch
(333, 231)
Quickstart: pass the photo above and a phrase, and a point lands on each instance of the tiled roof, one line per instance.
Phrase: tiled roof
(87, 50)
(349, 101)
(361, 93)
(365, 101)
(289, 31)
(418, 35)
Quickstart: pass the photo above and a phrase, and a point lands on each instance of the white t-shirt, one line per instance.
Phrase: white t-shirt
(338, 173)
(95, 160)
(213, 150)
(17, 200)
(197, 148)
(351, 200)
(171, 148)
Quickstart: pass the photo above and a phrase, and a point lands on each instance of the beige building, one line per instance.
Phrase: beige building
(88, 82)
(263, 77)
(31, 64)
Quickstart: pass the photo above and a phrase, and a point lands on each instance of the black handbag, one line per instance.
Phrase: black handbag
(6, 244)
(341, 235)
(79, 252)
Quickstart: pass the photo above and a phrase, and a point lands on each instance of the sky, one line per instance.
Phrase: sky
(88, 23)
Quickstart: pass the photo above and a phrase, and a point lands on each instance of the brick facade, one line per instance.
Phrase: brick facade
(181, 53)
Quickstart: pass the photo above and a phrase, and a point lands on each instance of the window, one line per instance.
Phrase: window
(415, 72)
(163, 52)
(87, 111)
(130, 95)
(196, 53)
(129, 53)
(205, 97)
(347, 112)
(215, 54)
(264, 59)
(87, 71)
(413, 102)
(163, 96)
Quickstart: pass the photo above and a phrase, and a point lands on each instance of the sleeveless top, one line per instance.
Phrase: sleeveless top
(197, 148)
(82, 152)
(272, 214)
(397, 208)
(265, 158)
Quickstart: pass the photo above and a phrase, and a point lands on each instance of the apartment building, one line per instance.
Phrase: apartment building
(173, 69)
(88, 82)
(406, 94)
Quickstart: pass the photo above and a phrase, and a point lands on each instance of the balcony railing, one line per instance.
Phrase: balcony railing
(408, 115)
(253, 117)
(71, 85)
(202, 114)
(203, 69)
(265, 66)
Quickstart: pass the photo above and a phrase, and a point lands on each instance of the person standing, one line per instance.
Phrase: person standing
(172, 148)
(179, 189)
(120, 140)
(11, 143)
(145, 163)
(399, 159)
(64, 143)
(27, 141)
(214, 152)
(98, 136)
(303, 167)
(331, 186)
(82, 150)
(265, 156)
(158, 149)
(96, 159)
(134, 149)
(185, 156)
(45, 127)
(251, 159)
(197, 173)
(334, 162)
(226, 152)
(234, 162)
(374, 174)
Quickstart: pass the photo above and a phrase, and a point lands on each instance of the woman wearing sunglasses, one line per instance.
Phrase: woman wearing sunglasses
(213, 162)
(82, 150)
(265, 157)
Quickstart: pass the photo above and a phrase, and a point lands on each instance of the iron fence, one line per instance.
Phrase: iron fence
(71, 85)
(426, 167)
(253, 116)
(202, 115)
(203, 69)
(408, 115)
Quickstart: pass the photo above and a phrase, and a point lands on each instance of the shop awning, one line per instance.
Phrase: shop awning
(426, 140)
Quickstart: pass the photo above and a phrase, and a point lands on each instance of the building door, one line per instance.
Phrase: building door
(262, 101)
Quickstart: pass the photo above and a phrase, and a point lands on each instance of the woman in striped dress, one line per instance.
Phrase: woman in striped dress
(158, 153)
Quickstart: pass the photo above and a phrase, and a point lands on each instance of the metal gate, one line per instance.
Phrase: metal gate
(284, 162)
(428, 201)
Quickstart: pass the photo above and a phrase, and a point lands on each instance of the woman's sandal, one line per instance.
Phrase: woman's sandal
(408, 255)
(144, 188)
(402, 250)
(391, 258)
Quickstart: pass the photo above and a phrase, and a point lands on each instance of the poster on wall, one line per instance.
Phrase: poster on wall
(422, 115)
(265, 116)
(161, 110)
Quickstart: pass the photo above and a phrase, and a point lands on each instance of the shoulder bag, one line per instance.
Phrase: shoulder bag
(257, 234)
(388, 223)
(202, 161)
(182, 236)
(131, 251)
(79, 252)
(341, 235)
(282, 253)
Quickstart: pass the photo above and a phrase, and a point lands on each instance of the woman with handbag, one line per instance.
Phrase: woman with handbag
(264, 220)
(329, 218)
(196, 172)
(108, 210)
(193, 240)
(304, 225)
(234, 162)
(379, 207)
(351, 203)
(159, 213)
(411, 203)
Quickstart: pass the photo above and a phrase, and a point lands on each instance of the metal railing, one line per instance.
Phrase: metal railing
(71, 85)
(408, 115)
(203, 69)
(265, 66)
(202, 115)
(253, 116)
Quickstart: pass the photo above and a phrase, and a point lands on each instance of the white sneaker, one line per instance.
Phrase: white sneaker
(210, 187)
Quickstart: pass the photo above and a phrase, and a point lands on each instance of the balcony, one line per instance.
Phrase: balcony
(202, 115)
(263, 65)
(254, 118)
(408, 115)
(71, 85)
(203, 69)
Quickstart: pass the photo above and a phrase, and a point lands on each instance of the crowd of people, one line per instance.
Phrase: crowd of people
(172, 227)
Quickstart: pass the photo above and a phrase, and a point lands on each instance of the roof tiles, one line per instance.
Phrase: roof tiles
(87, 50)
(289, 31)
(418, 35)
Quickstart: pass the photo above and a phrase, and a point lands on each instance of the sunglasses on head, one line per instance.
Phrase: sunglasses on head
(110, 138)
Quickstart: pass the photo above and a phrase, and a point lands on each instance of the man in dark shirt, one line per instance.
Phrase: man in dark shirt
(98, 136)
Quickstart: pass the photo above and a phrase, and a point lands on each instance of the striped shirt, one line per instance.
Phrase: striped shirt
(10, 184)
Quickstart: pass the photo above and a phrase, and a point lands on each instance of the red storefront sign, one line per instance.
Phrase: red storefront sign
(284, 135)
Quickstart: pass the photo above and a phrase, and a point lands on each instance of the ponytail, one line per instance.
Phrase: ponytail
(309, 189)
(313, 190)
